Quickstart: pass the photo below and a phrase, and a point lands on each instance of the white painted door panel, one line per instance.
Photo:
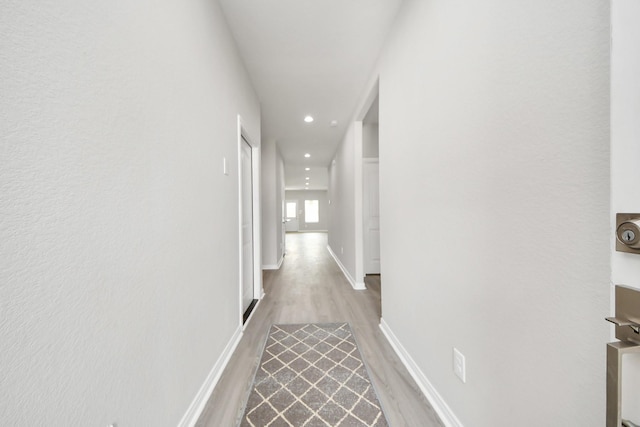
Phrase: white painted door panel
(291, 213)
(292, 224)
(371, 211)
(247, 226)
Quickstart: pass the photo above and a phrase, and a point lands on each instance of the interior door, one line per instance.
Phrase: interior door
(284, 230)
(625, 173)
(371, 212)
(291, 211)
(247, 225)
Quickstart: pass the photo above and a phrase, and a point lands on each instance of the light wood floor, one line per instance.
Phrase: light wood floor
(310, 288)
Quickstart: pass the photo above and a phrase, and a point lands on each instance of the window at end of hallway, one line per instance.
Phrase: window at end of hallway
(311, 213)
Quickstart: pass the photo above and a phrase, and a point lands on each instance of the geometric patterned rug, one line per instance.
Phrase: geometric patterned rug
(312, 375)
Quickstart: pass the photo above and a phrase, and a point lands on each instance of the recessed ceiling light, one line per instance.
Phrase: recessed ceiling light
(308, 119)
(306, 177)
(334, 123)
(307, 155)
(306, 183)
(307, 169)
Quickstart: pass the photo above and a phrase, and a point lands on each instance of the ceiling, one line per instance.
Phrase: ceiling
(308, 57)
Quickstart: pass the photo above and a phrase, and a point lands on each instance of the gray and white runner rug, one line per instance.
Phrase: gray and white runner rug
(312, 375)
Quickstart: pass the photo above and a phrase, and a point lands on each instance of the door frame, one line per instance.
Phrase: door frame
(258, 290)
(374, 91)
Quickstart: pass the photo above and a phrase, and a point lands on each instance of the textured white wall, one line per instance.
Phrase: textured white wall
(625, 173)
(118, 229)
(268, 193)
(342, 208)
(494, 175)
(272, 188)
(280, 180)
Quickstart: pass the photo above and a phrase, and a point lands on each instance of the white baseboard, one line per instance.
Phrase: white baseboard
(443, 410)
(358, 286)
(274, 266)
(197, 406)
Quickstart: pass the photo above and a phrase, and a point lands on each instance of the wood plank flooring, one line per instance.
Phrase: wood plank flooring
(310, 288)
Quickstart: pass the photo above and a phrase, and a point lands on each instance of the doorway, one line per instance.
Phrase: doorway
(370, 197)
(248, 298)
(291, 216)
(250, 269)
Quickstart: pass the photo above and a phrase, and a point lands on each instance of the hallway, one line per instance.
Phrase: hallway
(309, 287)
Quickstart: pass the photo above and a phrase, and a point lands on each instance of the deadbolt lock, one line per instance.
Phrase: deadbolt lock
(628, 233)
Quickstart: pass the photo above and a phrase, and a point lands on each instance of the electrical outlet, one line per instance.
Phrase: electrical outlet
(459, 366)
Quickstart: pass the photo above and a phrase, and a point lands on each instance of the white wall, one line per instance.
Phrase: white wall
(625, 173)
(370, 140)
(268, 190)
(323, 208)
(271, 217)
(272, 188)
(342, 240)
(118, 228)
(280, 180)
(494, 176)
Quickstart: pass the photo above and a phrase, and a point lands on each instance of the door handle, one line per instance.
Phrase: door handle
(615, 351)
(628, 334)
(624, 322)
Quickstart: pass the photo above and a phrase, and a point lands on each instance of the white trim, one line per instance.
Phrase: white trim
(357, 286)
(190, 418)
(443, 410)
(274, 266)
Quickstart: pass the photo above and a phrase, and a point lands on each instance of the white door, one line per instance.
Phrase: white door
(625, 162)
(371, 211)
(291, 213)
(247, 226)
(284, 229)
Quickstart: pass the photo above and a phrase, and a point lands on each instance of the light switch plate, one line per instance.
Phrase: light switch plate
(459, 365)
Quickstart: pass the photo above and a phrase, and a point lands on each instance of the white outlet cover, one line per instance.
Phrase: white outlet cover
(459, 365)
